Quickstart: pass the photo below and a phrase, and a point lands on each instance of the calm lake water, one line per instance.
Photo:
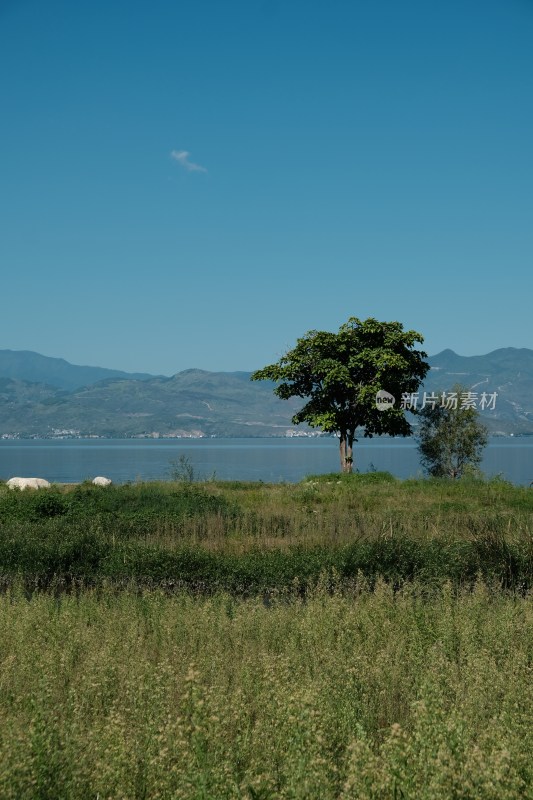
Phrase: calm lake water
(270, 460)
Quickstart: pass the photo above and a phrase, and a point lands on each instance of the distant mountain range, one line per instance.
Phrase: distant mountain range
(508, 372)
(24, 365)
(41, 396)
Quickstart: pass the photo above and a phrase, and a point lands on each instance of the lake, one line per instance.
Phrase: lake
(270, 460)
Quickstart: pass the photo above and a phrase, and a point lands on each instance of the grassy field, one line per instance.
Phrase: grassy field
(346, 637)
(247, 538)
(379, 694)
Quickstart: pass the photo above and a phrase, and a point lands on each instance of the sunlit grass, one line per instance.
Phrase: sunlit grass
(376, 694)
(379, 678)
(252, 537)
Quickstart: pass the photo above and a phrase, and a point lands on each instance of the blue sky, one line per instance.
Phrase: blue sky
(344, 159)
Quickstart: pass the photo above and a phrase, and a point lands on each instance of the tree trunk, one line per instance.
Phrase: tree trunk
(346, 443)
(342, 446)
(349, 452)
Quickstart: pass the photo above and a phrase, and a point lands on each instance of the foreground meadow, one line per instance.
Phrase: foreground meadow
(354, 637)
(375, 694)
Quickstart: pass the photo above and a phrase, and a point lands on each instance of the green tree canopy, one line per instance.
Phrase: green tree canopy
(339, 375)
(451, 437)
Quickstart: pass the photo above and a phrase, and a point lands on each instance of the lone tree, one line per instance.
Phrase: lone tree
(451, 437)
(339, 375)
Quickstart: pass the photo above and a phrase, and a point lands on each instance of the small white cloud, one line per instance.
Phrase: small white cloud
(182, 157)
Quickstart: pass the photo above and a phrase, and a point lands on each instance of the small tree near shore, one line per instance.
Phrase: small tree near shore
(339, 375)
(451, 439)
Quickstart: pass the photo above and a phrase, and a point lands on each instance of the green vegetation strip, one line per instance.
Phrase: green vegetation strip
(249, 539)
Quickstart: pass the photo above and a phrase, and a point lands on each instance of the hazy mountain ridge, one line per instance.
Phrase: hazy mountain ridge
(192, 402)
(507, 371)
(29, 366)
(197, 402)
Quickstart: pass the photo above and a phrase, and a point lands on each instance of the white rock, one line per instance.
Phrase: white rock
(101, 481)
(28, 483)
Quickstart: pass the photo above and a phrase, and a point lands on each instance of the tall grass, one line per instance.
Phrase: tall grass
(376, 694)
(252, 538)
(350, 637)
